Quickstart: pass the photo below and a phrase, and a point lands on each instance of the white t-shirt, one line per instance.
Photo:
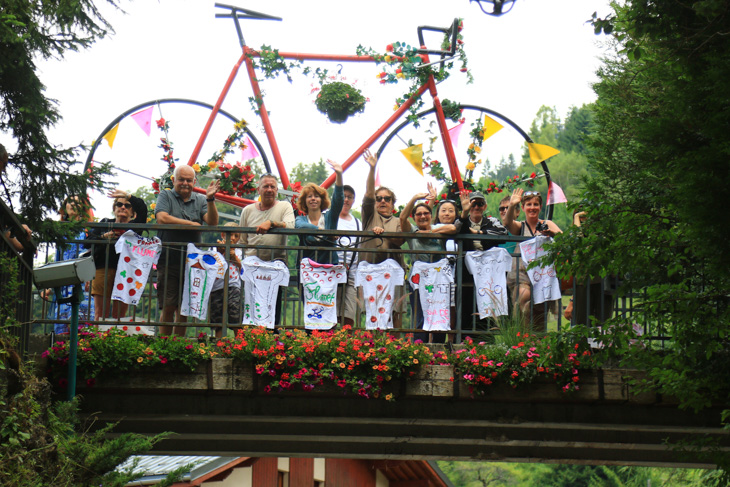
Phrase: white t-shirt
(378, 282)
(137, 255)
(202, 268)
(489, 268)
(261, 284)
(434, 281)
(545, 283)
(234, 274)
(319, 283)
(344, 257)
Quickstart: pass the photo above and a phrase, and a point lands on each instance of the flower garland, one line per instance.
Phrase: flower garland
(236, 179)
(357, 361)
(403, 62)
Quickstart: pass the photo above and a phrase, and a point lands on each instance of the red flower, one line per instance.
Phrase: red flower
(161, 123)
(533, 175)
(389, 48)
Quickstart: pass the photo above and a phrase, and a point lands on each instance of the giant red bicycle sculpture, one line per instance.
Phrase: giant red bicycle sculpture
(433, 117)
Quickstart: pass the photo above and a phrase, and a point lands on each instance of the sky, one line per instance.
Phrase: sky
(541, 53)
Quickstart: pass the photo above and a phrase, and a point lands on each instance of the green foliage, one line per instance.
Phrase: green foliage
(313, 172)
(495, 474)
(339, 100)
(659, 156)
(28, 31)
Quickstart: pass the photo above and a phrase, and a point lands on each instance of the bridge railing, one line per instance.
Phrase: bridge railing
(594, 301)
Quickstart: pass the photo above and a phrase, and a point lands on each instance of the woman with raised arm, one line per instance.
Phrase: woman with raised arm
(427, 247)
(313, 200)
(532, 226)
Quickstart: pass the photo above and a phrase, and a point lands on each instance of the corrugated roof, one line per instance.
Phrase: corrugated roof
(163, 464)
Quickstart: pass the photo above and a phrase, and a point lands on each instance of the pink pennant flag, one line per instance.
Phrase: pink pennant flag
(377, 178)
(144, 119)
(250, 151)
(454, 133)
(555, 194)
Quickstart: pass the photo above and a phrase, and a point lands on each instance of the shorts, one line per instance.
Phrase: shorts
(348, 292)
(169, 284)
(103, 282)
(234, 306)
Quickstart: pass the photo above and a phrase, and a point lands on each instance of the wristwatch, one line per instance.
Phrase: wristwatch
(209, 200)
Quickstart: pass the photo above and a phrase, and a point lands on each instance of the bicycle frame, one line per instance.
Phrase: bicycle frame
(248, 56)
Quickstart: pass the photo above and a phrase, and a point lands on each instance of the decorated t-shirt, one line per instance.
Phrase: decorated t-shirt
(202, 268)
(434, 281)
(261, 281)
(545, 283)
(378, 282)
(234, 274)
(489, 268)
(137, 255)
(319, 284)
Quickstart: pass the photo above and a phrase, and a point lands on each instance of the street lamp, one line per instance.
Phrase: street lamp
(497, 6)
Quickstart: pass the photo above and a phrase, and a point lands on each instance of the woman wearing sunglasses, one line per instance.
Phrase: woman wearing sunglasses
(106, 258)
(475, 222)
(532, 226)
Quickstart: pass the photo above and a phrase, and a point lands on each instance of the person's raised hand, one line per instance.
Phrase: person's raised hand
(371, 159)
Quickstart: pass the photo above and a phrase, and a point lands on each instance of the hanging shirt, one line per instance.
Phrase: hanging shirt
(137, 255)
(489, 268)
(202, 268)
(234, 274)
(378, 282)
(545, 284)
(261, 284)
(434, 284)
(319, 282)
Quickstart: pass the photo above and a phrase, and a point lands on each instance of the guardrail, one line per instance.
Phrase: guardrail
(597, 299)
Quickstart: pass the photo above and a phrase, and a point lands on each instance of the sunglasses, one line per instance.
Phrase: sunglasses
(531, 193)
(479, 203)
(503, 208)
(387, 199)
(119, 204)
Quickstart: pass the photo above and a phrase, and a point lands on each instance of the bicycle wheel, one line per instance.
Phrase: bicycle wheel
(134, 152)
(512, 137)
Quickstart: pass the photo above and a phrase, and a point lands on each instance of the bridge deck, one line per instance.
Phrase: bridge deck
(220, 410)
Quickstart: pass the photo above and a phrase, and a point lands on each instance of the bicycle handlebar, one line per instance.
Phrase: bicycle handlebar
(236, 13)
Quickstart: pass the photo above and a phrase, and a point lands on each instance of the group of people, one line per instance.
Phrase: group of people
(433, 219)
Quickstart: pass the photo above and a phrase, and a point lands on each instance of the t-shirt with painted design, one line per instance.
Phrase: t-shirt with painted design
(202, 268)
(545, 283)
(234, 274)
(489, 268)
(261, 281)
(378, 282)
(319, 284)
(137, 255)
(434, 281)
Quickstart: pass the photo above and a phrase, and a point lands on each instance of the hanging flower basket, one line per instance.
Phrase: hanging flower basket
(339, 100)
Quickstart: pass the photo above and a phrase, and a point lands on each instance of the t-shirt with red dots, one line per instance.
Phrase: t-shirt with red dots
(137, 255)
(378, 282)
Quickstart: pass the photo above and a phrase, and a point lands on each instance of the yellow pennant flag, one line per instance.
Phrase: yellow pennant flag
(540, 152)
(491, 127)
(414, 154)
(111, 135)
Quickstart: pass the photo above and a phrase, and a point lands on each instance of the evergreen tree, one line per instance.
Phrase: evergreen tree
(42, 173)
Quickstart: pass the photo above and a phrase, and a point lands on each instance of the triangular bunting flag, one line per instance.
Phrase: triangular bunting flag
(540, 152)
(111, 135)
(377, 178)
(491, 127)
(249, 152)
(454, 133)
(144, 119)
(555, 194)
(414, 154)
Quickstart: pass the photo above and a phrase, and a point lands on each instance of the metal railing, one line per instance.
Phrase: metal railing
(594, 302)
